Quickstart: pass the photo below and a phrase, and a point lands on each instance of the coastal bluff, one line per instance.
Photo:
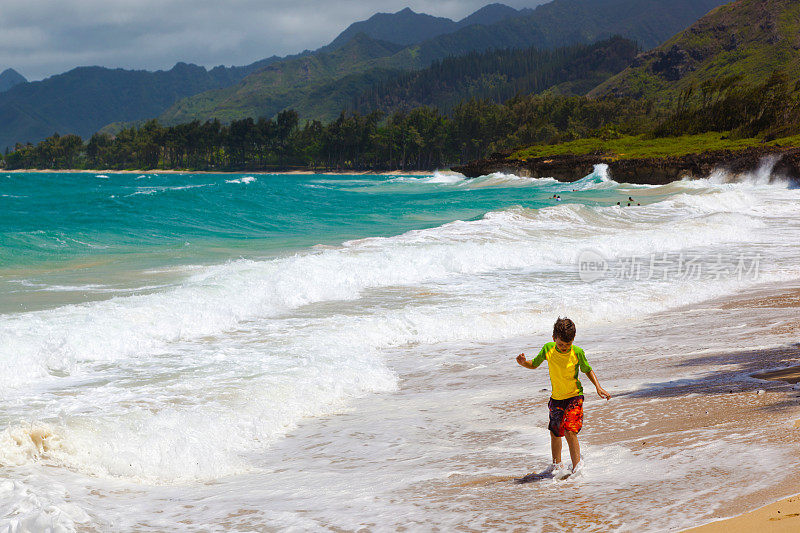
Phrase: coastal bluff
(784, 163)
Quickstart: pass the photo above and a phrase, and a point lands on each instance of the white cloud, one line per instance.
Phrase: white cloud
(40, 38)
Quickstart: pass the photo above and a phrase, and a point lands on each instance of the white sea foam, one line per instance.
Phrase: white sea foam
(91, 287)
(497, 179)
(246, 179)
(438, 177)
(444, 177)
(500, 179)
(25, 509)
(600, 178)
(163, 433)
(161, 189)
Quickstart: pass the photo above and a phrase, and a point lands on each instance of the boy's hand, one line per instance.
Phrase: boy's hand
(602, 392)
(521, 360)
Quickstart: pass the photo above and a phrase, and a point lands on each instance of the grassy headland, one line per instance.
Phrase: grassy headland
(642, 146)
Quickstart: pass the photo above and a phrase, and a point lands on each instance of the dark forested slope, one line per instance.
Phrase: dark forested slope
(85, 99)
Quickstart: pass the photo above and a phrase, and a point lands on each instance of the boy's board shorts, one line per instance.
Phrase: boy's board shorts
(565, 415)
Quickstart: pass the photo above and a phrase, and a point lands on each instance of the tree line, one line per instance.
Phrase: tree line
(422, 138)
(769, 109)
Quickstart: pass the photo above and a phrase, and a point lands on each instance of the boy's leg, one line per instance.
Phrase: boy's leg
(555, 447)
(574, 447)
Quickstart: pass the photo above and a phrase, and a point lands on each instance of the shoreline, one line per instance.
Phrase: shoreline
(782, 516)
(226, 172)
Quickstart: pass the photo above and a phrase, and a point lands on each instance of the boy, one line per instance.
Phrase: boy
(566, 401)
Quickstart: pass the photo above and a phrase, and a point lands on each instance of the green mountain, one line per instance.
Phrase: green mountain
(743, 42)
(494, 75)
(491, 14)
(9, 78)
(404, 27)
(365, 61)
(281, 84)
(561, 23)
(85, 99)
(498, 75)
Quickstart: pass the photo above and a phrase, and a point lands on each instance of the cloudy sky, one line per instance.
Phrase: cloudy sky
(39, 38)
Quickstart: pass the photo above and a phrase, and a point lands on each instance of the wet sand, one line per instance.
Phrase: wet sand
(669, 416)
(789, 375)
(779, 517)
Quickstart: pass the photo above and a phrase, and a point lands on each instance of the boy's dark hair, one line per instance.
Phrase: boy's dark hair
(564, 329)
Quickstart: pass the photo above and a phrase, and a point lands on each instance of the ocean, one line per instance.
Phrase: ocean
(259, 352)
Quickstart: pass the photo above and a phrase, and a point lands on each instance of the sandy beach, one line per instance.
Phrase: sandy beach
(255, 172)
(780, 517)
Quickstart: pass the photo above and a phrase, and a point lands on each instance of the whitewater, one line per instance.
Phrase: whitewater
(259, 352)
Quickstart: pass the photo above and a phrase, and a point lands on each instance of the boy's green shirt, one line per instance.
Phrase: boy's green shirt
(563, 368)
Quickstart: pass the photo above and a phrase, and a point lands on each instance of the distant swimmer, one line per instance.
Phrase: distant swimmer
(630, 199)
(619, 204)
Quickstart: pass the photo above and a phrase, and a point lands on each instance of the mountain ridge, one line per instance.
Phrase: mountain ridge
(286, 81)
(84, 99)
(408, 27)
(10, 78)
(558, 23)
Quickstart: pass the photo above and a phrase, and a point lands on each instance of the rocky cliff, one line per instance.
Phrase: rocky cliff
(784, 163)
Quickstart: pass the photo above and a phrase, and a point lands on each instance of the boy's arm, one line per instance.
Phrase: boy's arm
(533, 363)
(587, 369)
(521, 361)
(600, 390)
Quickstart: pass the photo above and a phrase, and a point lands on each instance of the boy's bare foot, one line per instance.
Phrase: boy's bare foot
(553, 468)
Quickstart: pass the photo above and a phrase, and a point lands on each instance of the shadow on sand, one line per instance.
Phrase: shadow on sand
(742, 376)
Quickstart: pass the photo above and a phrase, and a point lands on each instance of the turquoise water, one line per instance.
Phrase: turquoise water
(314, 352)
(106, 232)
(63, 217)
